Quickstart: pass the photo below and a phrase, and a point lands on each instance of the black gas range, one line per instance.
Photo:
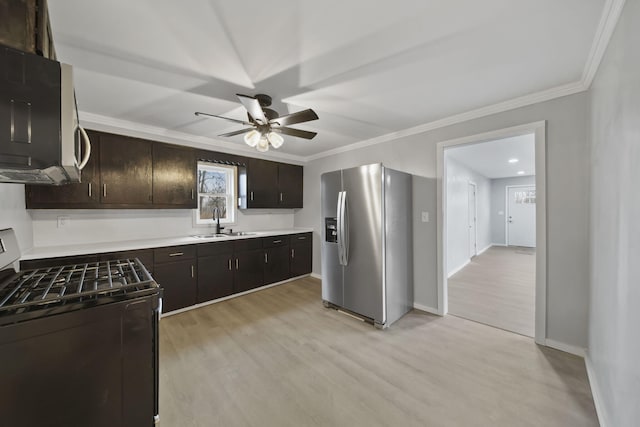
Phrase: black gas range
(78, 344)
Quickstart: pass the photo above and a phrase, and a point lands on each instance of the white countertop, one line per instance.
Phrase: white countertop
(128, 245)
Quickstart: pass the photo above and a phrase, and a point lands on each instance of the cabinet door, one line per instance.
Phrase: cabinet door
(290, 186)
(249, 266)
(179, 283)
(276, 264)
(174, 176)
(125, 170)
(85, 194)
(215, 276)
(301, 254)
(262, 184)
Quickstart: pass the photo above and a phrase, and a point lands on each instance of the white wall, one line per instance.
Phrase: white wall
(111, 225)
(498, 188)
(13, 214)
(614, 339)
(567, 202)
(458, 178)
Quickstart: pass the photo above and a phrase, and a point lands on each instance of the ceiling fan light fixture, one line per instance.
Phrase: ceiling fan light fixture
(252, 138)
(275, 139)
(263, 144)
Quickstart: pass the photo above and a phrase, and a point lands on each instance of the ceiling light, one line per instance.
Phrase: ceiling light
(252, 138)
(263, 144)
(275, 139)
(520, 172)
(513, 160)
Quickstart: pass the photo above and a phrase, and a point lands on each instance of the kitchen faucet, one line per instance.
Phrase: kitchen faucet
(216, 216)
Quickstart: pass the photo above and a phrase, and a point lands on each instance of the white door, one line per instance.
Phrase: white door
(473, 244)
(521, 216)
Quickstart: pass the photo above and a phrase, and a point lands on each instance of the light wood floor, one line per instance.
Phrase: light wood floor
(497, 288)
(279, 358)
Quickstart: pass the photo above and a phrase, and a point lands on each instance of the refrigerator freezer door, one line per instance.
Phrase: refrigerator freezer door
(363, 274)
(331, 268)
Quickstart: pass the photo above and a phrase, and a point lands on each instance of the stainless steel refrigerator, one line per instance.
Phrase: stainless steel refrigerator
(367, 245)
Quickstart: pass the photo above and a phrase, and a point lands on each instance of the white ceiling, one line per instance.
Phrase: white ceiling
(491, 158)
(366, 70)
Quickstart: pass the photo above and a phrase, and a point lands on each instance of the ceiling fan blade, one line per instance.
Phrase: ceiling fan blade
(237, 132)
(198, 113)
(293, 118)
(296, 132)
(253, 107)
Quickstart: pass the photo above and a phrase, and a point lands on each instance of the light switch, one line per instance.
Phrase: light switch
(63, 221)
(425, 216)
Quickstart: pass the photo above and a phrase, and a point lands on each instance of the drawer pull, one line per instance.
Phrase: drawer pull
(277, 241)
(90, 190)
(266, 258)
(176, 254)
(236, 263)
(302, 238)
(104, 190)
(252, 196)
(193, 272)
(293, 253)
(280, 196)
(229, 263)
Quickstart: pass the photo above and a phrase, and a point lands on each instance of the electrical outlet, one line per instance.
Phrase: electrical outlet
(425, 216)
(63, 221)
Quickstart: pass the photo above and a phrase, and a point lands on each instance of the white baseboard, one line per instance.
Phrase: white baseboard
(603, 417)
(499, 244)
(316, 276)
(455, 270)
(426, 308)
(484, 250)
(567, 348)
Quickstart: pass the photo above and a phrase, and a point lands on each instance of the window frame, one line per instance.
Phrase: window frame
(232, 192)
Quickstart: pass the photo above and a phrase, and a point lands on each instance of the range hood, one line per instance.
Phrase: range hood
(41, 141)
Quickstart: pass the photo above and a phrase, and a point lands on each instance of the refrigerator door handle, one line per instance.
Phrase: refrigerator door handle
(345, 230)
(339, 227)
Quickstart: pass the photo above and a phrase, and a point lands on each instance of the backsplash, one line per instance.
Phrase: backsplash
(90, 226)
(13, 214)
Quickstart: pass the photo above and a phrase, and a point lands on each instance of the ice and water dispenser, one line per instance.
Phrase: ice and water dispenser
(331, 230)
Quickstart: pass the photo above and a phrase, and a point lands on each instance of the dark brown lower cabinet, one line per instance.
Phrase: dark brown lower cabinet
(248, 272)
(215, 276)
(276, 264)
(179, 283)
(301, 254)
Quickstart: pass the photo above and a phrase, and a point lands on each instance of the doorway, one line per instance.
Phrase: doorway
(519, 245)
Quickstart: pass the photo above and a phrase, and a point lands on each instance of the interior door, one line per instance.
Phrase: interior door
(363, 280)
(473, 243)
(521, 216)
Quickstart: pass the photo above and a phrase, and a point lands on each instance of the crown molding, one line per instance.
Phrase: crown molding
(611, 12)
(139, 130)
(523, 101)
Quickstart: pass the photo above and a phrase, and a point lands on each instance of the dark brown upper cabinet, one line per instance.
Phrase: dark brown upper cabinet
(25, 26)
(82, 195)
(174, 176)
(273, 185)
(125, 171)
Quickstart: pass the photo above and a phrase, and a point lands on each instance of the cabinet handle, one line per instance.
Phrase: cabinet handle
(280, 196)
(229, 264)
(177, 254)
(193, 272)
(302, 238)
(266, 258)
(251, 195)
(293, 253)
(104, 190)
(236, 263)
(193, 195)
(277, 241)
(89, 185)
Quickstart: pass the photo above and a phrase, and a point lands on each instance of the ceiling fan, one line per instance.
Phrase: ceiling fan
(266, 125)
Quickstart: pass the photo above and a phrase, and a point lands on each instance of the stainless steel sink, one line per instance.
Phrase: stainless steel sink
(241, 233)
(209, 236)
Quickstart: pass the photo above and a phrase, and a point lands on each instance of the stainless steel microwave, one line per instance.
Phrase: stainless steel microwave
(41, 140)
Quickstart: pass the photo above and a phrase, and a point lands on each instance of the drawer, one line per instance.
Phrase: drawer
(144, 255)
(301, 238)
(270, 242)
(55, 262)
(174, 253)
(208, 249)
(247, 244)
